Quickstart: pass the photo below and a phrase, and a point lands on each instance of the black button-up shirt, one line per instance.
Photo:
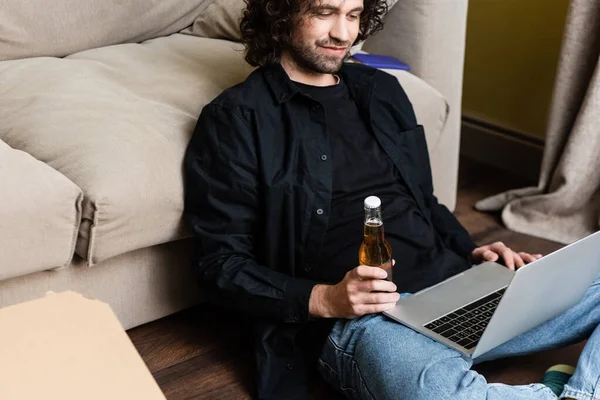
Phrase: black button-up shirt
(258, 197)
(361, 169)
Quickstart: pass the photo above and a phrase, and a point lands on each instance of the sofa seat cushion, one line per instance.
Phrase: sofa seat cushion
(117, 120)
(39, 215)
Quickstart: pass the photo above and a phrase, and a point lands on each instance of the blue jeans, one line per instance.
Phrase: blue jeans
(375, 358)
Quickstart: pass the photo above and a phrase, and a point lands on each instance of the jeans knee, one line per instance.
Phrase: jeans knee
(395, 359)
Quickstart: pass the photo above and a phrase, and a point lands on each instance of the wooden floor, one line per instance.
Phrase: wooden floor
(202, 354)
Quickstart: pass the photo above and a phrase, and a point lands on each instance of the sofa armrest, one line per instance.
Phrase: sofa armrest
(429, 35)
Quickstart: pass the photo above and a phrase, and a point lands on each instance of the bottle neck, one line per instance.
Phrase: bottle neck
(373, 215)
(373, 222)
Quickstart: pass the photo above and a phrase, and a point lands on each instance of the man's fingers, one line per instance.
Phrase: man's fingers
(489, 255)
(364, 272)
(377, 285)
(527, 257)
(508, 257)
(480, 251)
(506, 254)
(519, 262)
(498, 250)
(380, 298)
(374, 308)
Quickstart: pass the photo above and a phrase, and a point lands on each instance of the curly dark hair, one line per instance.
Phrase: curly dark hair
(267, 26)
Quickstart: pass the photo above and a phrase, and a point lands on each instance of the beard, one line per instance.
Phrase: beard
(306, 55)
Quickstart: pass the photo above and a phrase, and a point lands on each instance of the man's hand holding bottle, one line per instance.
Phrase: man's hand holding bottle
(364, 290)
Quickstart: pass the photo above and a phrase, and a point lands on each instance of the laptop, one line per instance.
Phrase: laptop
(479, 309)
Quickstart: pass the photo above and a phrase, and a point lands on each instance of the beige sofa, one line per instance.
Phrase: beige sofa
(98, 100)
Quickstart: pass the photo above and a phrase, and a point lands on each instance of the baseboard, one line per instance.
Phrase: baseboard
(510, 151)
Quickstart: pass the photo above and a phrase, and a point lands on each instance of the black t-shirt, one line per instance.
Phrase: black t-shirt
(361, 168)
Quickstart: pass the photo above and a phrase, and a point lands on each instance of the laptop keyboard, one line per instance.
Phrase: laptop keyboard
(466, 325)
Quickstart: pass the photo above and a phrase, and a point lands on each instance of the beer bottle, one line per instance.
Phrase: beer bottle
(375, 251)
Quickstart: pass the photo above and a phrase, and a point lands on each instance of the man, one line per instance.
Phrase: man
(277, 172)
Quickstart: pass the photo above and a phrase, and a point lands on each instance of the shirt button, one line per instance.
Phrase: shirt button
(320, 211)
(324, 157)
(308, 267)
(289, 366)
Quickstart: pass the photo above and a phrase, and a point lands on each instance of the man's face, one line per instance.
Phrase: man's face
(322, 38)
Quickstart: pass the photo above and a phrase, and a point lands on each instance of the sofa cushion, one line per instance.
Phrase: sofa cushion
(117, 120)
(39, 215)
(220, 20)
(30, 28)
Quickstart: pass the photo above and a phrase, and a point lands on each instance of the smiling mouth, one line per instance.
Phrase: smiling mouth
(335, 49)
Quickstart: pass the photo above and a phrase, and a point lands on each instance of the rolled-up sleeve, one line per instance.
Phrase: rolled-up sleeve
(223, 209)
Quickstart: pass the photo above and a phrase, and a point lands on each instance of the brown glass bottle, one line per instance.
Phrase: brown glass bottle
(375, 251)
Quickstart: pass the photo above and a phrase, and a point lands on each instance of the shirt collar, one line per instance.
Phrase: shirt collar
(357, 80)
(282, 86)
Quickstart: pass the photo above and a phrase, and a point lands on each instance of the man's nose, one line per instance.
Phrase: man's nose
(340, 30)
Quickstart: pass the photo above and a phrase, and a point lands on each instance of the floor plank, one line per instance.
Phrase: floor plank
(214, 375)
(201, 353)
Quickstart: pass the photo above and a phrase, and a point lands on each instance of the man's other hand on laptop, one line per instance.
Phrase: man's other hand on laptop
(500, 253)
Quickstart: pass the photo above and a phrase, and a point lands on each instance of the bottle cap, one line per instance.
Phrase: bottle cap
(372, 202)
